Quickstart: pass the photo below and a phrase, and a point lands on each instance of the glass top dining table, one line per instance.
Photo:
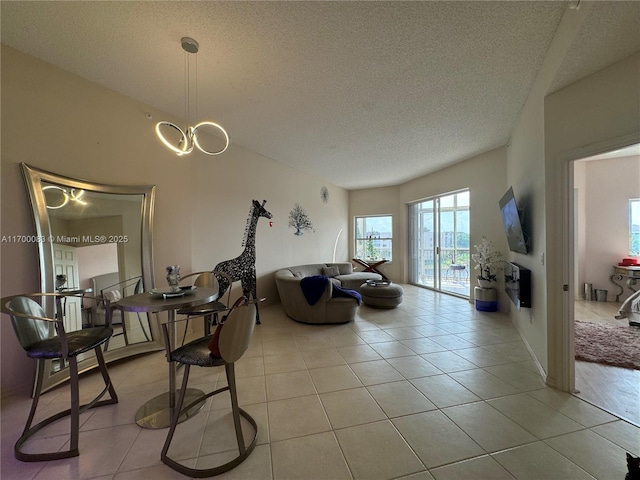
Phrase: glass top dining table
(156, 413)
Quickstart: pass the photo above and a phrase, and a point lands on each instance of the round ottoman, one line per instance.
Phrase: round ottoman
(381, 294)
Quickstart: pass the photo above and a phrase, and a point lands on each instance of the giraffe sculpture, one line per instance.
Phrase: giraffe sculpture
(243, 267)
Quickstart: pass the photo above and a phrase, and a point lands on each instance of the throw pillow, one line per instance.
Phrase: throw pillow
(330, 271)
(112, 295)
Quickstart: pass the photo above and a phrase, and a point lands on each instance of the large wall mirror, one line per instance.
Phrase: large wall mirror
(96, 241)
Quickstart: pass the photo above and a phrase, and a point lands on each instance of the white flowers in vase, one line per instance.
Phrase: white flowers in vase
(488, 260)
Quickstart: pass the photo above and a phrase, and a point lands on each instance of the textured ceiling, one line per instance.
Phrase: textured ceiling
(361, 94)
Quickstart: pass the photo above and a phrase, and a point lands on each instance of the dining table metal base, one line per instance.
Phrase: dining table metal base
(156, 413)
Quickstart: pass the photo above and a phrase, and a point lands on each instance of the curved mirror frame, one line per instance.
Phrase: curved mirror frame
(36, 180)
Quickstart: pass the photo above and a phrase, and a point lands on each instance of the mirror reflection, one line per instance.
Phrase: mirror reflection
(97, 251)
(96, 243)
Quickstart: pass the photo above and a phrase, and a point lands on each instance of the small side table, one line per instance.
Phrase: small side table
(457, 272)
(486, 299)
(620, 273)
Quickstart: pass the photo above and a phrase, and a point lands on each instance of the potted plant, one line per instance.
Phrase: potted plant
(488, 260)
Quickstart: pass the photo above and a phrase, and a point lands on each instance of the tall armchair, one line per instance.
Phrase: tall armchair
(44, 338)
(215, 280)
(233, 339)
(109, 287)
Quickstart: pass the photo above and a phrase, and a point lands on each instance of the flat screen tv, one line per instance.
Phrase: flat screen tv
(511, 221)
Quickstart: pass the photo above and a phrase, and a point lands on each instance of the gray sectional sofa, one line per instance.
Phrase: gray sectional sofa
(329, 308)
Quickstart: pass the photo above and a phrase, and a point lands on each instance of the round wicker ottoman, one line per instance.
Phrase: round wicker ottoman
(381, 294)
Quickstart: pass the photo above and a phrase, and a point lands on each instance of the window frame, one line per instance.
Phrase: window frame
(634, 204)
(356, 239)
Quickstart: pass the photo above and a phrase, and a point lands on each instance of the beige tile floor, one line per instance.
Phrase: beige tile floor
(430, 390)
(615, 389)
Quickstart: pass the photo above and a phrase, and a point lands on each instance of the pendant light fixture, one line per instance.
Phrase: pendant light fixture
(61, 196)
(189, 136)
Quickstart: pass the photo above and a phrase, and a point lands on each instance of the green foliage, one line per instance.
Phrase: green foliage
(369, 248)
(462, 240)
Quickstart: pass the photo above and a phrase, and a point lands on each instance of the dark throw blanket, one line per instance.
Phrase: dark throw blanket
(339, 291)
(313, 287)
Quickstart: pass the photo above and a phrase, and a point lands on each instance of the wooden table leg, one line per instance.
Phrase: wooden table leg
(372, 267)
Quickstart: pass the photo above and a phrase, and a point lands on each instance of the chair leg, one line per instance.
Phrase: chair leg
(231, 379)
(144, 330)
(74, 412)
(175, 415)
(34, 406)
(186, 327)
(124, 329)
(207, 324)
(75, 404)
(102, 365)
(244, 451)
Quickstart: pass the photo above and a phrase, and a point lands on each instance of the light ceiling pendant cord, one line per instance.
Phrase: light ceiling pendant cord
(189, 137)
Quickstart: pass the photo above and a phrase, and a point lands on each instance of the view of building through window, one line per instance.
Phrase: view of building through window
(439, 243)
(374, 237)
(634, 227)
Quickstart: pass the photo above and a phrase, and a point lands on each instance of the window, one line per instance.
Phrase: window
(438, 230)
(634, 227)
(374, 237)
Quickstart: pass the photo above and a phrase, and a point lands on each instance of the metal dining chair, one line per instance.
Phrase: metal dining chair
(45, 338)
(209, 311)
(235, 333)
(122, 287)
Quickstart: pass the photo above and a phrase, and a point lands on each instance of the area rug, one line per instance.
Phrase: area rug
(609, 344)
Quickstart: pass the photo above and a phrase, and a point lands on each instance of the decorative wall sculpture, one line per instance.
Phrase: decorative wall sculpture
(324, 194)
(243, 267)
(299, 219)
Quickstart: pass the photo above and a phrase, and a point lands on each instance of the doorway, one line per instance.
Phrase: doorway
(604, 232)
(439, 243)
(66, 265)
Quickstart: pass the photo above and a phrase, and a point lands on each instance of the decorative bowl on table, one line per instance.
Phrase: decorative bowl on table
(169, 293)
(378, 283)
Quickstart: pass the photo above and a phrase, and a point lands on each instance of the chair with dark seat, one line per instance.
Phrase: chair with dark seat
(45, 338)
(209, 311)
(235, 331)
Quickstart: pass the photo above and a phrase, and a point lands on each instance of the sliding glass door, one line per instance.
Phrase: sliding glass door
(439, 243)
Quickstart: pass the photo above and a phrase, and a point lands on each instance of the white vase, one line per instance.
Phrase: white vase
(485, 283)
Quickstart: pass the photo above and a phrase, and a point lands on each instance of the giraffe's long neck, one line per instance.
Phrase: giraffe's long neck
(250, 240)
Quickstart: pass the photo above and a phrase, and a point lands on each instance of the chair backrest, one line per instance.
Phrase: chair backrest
(29, 329)
(236, 333)
(206, 280)
(215, 280)
(224, 281)
(138, 288)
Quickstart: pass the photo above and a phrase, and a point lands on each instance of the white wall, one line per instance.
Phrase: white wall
(96, 260)
(607, 186)
(594, 115)
(59, 122)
